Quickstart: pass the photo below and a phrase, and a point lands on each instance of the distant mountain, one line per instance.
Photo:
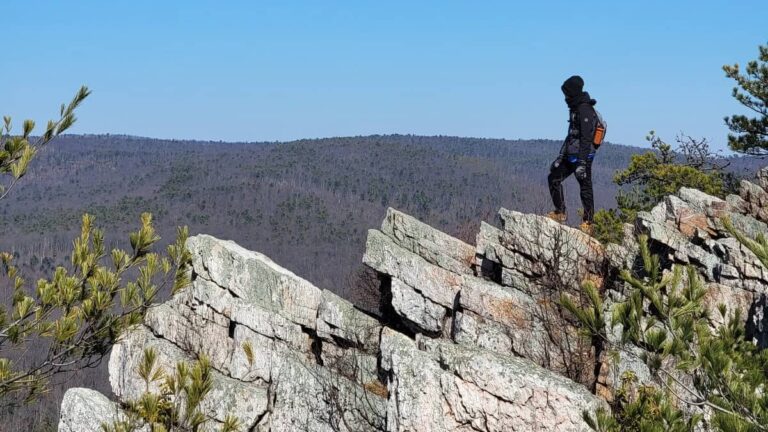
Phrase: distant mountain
(306, 203)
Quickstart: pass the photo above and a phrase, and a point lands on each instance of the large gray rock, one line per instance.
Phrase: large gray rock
(470, 329)
(433, 300)
(422, 293)
(86, 410)
(533, 261)
(337, 318)
(417, 309)
(255, 278)
(433, 282)
(434, 246)
(314, 354)
(755, 199)
(313, 398)
(531, 252)
(688, 229)
(447, 387)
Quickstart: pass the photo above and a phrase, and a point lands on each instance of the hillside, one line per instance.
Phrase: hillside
(306, 203)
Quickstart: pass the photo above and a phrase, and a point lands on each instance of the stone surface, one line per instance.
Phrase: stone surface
(689, 231)
(435, 283)
(255, 278)
(501, 316)
(447, 387)
(422, 293)
(471, 329)
(754, 198)
(228, 395)
(338, 318)
(531, 251)
(85, 410)
(412, 306)
(434, 246)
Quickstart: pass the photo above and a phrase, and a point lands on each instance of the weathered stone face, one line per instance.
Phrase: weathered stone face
(434, 246)
(440, 386)
(471, 338)
(85, 410)
(314, 354)
(688, 228)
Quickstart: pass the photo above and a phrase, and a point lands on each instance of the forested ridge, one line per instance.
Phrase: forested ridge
(307, 204)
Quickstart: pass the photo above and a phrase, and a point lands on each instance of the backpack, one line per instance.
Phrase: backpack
(600, 128)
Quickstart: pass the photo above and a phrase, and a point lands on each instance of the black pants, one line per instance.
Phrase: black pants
(559, 171)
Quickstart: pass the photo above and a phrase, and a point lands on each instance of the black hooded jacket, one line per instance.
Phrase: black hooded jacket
(582, 120)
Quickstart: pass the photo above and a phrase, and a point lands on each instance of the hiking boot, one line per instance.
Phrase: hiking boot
(586, 228)
(557, 216)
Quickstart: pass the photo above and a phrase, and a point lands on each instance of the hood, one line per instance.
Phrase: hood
(573, 89)
(573, 86)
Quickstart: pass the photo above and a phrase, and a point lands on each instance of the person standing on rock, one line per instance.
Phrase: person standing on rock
(576, 154)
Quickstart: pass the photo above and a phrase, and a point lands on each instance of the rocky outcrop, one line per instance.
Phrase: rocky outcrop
(314, 354)
(468, 337)
(439, 358)
(687, 228)
(504, 300)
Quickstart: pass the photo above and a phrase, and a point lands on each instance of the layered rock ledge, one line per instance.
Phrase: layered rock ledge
(467, 338)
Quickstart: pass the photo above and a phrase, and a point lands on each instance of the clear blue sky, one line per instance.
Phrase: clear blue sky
(280, 70)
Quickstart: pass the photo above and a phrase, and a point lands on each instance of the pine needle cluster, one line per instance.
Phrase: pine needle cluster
(750, 134)
(17, 151)
(172, 401)
(74, 316)
(78, 313)
(696, 364)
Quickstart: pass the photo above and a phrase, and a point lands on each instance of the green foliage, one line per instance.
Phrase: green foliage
(641, 409)
(694, 362)
(591, 317)
(16, 152)
(750, 135)
(664, 313)
(653, 175)
(79, 312)
(608, 226)
(732, 376)
(171, 401)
